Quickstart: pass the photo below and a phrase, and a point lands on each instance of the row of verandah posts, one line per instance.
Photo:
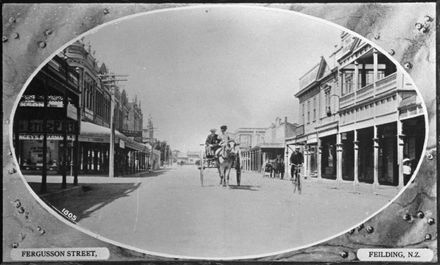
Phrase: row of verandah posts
(64, 165)
(339, 150)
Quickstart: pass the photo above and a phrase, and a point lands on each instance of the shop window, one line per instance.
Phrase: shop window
(327, 100)
(308, 111)
(347, 82)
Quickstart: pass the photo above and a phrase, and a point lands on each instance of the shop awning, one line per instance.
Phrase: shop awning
(268, 146)
(91, 132)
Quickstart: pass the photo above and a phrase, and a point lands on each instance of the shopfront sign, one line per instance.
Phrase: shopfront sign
(52, 126)
(72, 111)
(131, 133)
(50, 137)
(121, 144)
(53, 101)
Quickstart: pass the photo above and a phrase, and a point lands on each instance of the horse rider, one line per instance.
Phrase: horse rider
(296, 159)
(224, 138)
(212, 143)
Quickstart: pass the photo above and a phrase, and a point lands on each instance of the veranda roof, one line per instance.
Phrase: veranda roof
(91, 132)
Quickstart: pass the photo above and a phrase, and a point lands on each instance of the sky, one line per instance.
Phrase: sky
(199, 68)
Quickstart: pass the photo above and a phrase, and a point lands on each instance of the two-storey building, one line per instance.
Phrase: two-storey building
(360, 117)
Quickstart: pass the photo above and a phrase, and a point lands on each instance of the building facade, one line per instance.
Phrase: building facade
(367, 118)
(47, 121)
(98, 91)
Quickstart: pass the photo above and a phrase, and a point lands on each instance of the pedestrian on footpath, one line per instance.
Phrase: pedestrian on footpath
(407, 170)
(279, 167)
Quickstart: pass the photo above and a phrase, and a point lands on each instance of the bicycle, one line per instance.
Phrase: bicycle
(296, 178)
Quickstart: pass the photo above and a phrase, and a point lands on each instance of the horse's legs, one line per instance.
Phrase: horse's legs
(220, 174)
(229, 171)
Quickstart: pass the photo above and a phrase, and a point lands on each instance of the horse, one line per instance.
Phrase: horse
(226, 157)
(278, 168)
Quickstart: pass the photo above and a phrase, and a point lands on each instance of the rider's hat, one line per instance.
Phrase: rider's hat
(213, 130)
(224, 127)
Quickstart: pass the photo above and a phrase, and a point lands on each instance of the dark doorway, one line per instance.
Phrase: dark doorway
(388, 166)
(348, 156)
(366, 155)
(328, 157)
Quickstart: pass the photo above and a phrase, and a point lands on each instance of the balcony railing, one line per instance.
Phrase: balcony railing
(383, 85)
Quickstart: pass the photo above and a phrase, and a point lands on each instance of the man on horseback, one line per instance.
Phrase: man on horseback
(226, 156)
(224, 138)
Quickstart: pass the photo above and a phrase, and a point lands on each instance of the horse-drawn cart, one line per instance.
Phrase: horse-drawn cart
(229, 159)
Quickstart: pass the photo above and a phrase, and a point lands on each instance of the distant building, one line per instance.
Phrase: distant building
(258, 145)
(192, 157)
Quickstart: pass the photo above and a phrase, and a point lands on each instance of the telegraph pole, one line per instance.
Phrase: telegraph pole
(111, 80)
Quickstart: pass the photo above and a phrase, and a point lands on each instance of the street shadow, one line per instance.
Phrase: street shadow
(88, 198)
(148, 174)
(244, 187)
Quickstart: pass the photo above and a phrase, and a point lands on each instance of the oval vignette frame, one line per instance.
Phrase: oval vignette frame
(91, 31)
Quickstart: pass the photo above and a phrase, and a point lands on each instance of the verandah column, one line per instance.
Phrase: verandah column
(376, 158)
(305, 165)
(400, 144)
(339, 157)
(356, 158)
(308, 161)
(319, 158)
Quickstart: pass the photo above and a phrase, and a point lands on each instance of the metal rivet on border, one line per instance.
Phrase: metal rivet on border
(4, 39)
(369, 229)
(391, 52)
(343, 254)
(106, 11)
(377, 36)
(16, 35)
(12, 20)
(39, 228)
(12, 171)
(429, 156)
(17, 203)
(407, 65)
(424, 30)
(428, 18)
(15, 245)
(42, 44)
(428, 237)
(431, 221)
(420, 214)
(418, 26)
(407, 217)
(48, 32)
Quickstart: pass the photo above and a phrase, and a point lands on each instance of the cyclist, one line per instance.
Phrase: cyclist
(296, 159)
